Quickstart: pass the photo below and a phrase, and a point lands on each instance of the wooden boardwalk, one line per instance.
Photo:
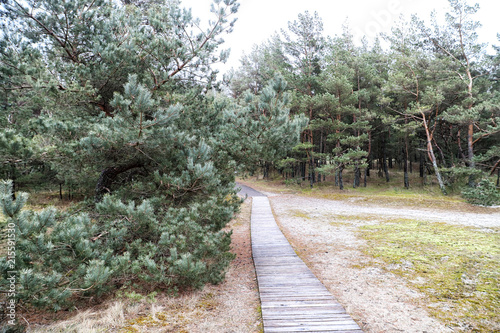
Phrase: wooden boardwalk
(293, 299)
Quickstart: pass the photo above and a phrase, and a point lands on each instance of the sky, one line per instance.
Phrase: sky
(259, 19)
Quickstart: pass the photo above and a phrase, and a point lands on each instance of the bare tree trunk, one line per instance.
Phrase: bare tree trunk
(405, 167)
(341, 181)
(470, 152)
(432, 157)
(108, 176)
(384, 164)
(369, 159)
(357, 177)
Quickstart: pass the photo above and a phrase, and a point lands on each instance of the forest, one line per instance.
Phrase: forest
(430, 99)
(116, 106)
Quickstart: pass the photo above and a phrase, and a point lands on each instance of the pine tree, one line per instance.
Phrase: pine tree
(342, 116)
(265, 125)
(303, 46)
(456, 44)
(411, 92)
(61, 258)
(129, 105)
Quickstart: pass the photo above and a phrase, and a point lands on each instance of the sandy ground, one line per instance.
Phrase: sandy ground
(378, 300)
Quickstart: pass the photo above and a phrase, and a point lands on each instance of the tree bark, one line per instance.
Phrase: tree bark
(341, 181)
(430, 152)
(421, 167)
(405, 166)
(470, 152)
(384, 164)
(357, 177)
(108, 176)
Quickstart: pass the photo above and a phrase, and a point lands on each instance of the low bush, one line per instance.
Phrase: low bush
(60, 258)
(484, 193)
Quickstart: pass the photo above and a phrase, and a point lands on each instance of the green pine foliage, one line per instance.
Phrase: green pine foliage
(265, 129)
(61, 258)
(119, 100)
(485, 193)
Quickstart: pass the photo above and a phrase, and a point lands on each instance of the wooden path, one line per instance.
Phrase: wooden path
(292, 298)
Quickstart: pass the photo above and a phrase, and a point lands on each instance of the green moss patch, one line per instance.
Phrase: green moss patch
(457, 267)
(299, 213)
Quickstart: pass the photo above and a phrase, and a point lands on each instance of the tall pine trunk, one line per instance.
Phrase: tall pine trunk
(470, 152)
(341, 180)
(357, 177)
(384, 163)
(405, 166)
(432, 157)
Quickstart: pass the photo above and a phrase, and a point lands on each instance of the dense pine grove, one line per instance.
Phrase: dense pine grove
(116, 105)
(423, 95)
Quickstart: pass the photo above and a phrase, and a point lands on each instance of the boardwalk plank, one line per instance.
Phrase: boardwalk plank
(293, 299)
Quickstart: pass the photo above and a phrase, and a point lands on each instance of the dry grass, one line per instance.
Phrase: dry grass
(41, 200)
(232, 306)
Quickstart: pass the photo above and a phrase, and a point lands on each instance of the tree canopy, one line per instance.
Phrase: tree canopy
(119, 103)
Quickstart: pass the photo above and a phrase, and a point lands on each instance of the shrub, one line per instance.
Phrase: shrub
(484, 193)
(61, 258)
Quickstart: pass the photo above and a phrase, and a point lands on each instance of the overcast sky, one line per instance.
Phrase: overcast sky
(259, 19)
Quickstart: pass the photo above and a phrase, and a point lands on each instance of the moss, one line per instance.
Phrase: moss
(300, 214)
(260, 327)
(208, 302)
(457, 267)
(168, 322)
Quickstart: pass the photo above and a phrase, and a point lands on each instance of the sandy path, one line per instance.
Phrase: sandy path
(325, 206)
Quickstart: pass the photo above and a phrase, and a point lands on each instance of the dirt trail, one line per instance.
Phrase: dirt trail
(350, 207)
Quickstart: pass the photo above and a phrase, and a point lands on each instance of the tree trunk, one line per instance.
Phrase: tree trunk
(405, 166)
(312, 176)
(405, 163)
(108, 176)
(421, 167)
(341, 181)
(470, 153)
(430, 152)
(357, 177)
(367, 170)
(384, 165)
